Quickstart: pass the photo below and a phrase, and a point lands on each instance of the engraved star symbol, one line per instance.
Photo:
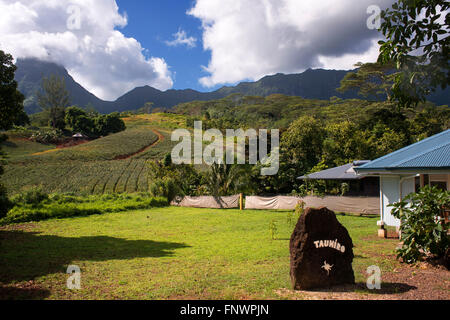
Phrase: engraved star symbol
(327, 267)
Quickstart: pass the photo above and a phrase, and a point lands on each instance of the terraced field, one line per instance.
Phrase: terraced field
(113, 164)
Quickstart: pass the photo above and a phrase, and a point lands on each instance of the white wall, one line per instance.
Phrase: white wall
(390, 193)
(393, 189)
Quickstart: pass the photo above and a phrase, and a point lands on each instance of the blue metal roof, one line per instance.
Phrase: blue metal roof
(430, 153)
(345, 172)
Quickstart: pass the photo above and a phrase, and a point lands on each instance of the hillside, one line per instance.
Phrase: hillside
(312, 84)
(116, 163)
(29, 76)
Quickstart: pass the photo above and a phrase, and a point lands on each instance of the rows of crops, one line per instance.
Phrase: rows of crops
(113, 164)
(108, 148)
(94, 177)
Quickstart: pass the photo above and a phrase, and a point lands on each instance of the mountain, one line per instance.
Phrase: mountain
(29, 76)
(311, 84)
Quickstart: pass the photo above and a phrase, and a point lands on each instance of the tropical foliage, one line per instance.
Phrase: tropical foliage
(423, 229)
(93, 124)
(11, 113)
(36, 205)
(417, 42)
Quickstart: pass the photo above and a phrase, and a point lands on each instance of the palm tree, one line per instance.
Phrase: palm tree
(223, 178)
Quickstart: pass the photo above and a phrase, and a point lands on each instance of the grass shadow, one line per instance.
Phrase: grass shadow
(29, 255)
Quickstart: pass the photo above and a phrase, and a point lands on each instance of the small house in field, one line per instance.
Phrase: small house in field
(359, 186)
(79, 136)
(405, 171)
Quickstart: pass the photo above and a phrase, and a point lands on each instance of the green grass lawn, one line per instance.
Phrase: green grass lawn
(166, 253)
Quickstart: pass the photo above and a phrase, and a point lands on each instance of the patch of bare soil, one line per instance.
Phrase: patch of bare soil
(424, 281)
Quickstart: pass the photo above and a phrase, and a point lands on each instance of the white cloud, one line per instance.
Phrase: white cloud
(249, 39)
(181, 38)
(97, 55)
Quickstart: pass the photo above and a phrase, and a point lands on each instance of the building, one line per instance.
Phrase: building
(79, 136)
(404, 171)
(359, 186)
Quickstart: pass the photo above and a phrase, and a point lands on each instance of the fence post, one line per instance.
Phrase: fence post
(241, 201)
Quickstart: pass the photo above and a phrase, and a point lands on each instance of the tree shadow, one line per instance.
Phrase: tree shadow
(25, 293)
(386, 288)
(9, 144)
(29, 255)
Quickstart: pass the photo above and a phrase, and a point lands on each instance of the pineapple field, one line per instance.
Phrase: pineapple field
(113, 164)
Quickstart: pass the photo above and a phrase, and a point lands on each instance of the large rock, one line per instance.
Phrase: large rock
(447, 258)
(321, 251)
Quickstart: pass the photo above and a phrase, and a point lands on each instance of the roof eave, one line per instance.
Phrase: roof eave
(412, 170)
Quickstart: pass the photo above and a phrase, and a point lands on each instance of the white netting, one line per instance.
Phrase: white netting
(208, 202)
(366, 205)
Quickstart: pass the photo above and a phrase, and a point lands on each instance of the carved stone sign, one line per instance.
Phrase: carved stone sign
(321, 251)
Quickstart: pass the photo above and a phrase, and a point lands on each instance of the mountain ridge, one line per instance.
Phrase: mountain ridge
(318, 84)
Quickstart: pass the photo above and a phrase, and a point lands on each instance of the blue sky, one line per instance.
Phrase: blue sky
(113, 46)
(153, 23)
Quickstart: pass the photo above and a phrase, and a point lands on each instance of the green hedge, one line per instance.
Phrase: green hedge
(66, 206)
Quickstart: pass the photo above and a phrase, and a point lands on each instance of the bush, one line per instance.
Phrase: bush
(422, 227)
(33, 196)
(66, 206)
(53, 136)
(166, 187)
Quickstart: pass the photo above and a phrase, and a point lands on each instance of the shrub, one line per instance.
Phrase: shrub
(345, 187)
(422, 228)
(53, 136)
(66, 206)
(165, 187)
(33, 196)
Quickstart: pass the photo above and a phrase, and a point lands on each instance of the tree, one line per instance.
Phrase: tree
(5, 204)
(371, 80)
(11, 100)
(11, 112)
(170, 180)
(430, 121)
(300, 150)
(417, 42)
(147, 109)
(54, 98)
(85, 125)
(302, 142)
(343, 144)
(72, 114)
(111, 123)
(222, 179)
(93, 124)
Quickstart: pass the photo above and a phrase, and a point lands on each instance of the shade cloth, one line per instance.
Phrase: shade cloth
(207, 202)
(366, 205)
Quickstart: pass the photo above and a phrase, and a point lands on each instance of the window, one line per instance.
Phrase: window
(417, 184)
(440, 184)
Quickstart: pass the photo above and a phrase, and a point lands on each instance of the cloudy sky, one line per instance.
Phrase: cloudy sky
(112, 46)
